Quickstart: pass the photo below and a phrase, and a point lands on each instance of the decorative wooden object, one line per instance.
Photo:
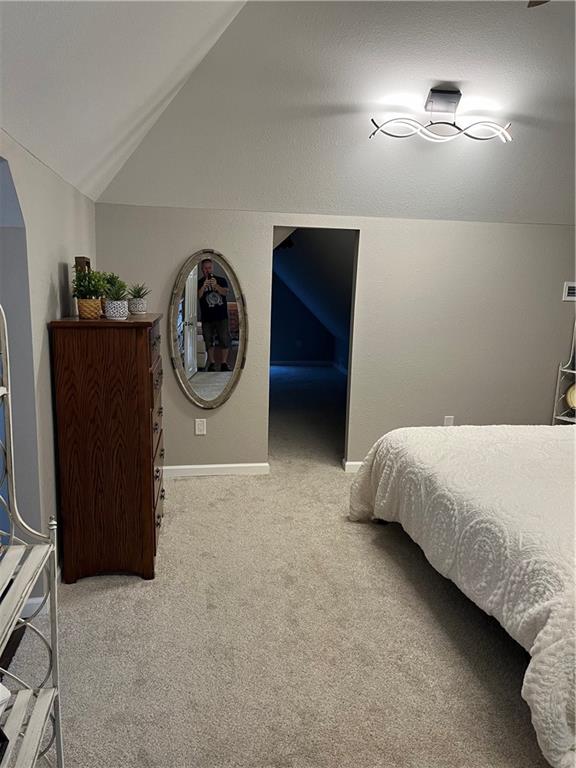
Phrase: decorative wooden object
(107, 386)
(82, 263)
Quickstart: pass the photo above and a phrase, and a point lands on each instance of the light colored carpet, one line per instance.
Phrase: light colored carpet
(210, 385)
(279, 635)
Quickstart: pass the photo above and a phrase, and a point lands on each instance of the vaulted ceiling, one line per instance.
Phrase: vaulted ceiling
(277, 116)
(82, 82)
(268, 106)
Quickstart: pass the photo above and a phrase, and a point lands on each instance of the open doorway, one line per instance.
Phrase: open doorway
(15, 300)
(313, 281)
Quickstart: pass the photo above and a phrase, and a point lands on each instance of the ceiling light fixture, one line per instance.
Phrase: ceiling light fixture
(441, 131)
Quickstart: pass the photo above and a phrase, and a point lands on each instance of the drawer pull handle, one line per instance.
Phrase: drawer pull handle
(162, 494)
(162, 453)
(161, 411)
(156, 426)
(157, 473)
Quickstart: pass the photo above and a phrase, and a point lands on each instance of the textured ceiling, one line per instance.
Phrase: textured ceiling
(277, 115)
(82, 82)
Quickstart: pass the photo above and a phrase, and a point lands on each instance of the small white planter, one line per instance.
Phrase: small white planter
(116, 310)
(137, 306)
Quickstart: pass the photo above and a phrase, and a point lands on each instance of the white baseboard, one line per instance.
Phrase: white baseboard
(200, 470)
(351, 466)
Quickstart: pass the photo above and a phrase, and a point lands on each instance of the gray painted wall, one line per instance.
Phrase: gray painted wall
(469, 319)
(59, 223)
(458, 319)
(15, 299)
(150, 245)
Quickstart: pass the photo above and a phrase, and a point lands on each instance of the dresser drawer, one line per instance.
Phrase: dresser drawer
(158, 517)
(156, 376)
(159, 492)
(156, 423)
(155, 341)
(158, 487)
(158, 463)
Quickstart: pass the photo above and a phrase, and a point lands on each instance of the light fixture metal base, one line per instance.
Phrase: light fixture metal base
(439, 131)
(443, 100)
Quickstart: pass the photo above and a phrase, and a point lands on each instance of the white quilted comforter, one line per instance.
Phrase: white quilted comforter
(493, 510)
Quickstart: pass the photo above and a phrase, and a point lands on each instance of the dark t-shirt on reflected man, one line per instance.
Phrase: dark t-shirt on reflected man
(213, 306)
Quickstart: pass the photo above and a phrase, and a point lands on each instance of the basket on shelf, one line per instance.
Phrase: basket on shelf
(89, 309)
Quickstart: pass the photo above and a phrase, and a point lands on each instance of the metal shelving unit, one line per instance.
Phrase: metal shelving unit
(563, 413)
(25, 556)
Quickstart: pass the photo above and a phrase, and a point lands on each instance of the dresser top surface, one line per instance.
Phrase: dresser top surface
(140, 321)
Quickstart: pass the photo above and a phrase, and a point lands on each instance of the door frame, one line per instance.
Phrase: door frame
(356, 230)
(190, 322)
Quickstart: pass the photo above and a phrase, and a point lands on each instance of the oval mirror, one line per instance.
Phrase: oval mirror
(208, 329)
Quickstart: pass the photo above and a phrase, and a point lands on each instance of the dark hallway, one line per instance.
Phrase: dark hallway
(307, 412)
(313, 278)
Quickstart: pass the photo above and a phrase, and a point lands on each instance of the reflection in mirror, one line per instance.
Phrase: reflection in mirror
(208, 329)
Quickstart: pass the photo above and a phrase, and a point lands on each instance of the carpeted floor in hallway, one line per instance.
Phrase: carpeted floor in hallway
(279, 635)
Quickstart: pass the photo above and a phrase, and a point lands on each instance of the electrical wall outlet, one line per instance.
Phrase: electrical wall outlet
(448, 421)
(200, 426)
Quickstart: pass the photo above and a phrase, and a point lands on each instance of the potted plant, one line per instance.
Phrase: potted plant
(110, 280)
(137, 303)
(87, 288)
(116, 301)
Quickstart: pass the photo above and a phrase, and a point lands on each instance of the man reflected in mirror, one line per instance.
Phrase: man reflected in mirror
(212, 291)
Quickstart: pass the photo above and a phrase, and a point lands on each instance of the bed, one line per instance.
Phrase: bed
(493, 510)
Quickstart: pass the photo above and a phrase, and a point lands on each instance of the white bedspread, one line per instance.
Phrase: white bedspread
(493, 510)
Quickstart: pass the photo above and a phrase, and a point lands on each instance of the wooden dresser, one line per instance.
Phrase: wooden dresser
(107, 380)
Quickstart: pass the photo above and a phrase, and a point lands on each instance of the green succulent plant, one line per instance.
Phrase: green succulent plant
(88, 285)
(111, 279)
(138, 291)
(116, 290)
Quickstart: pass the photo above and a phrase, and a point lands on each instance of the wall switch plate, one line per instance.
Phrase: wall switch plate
(448, 421)
(200, 426)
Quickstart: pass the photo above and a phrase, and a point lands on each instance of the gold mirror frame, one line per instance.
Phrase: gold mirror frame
(176, 360)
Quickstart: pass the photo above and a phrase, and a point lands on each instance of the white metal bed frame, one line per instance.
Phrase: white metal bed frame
(22, 565)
